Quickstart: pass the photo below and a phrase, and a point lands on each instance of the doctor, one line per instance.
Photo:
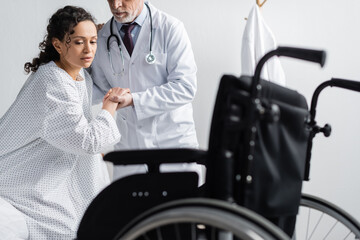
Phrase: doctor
(160, 72)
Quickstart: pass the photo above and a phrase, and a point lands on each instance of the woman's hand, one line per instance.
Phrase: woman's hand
(122, 96)
(107, 95)
(117, 98)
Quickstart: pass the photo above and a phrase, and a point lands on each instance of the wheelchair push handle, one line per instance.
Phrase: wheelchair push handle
(317, 56)
(347, 84)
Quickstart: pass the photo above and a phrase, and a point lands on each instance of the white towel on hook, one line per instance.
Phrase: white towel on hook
(257, 41)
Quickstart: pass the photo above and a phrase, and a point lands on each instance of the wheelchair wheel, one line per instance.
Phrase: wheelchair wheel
(200, 219)
(320, 219)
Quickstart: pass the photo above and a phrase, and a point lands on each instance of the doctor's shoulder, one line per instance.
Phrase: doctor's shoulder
(164, 20)
(104, 31)
(172, 31)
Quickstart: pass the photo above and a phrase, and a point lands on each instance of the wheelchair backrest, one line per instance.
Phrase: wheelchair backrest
(264, 175)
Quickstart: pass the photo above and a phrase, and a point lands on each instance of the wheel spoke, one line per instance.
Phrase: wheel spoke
(347, 235)
(330, 230)
(308, 223)
(145, 236)
(213, 233)
(177, 232)
(193, 231)
(158, 233)
(317, 224)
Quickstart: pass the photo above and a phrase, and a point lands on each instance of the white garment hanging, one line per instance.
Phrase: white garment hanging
(257, 41)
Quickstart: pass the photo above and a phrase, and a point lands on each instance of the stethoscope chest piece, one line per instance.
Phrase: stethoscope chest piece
(150, 58)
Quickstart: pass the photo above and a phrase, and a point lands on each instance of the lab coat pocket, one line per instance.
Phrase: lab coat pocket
(122, 125)
(157, 72)
(182, 119)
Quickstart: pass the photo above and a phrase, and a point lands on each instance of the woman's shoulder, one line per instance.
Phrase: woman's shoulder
(49, 68)
(56, 81)
(42, 76)
(51, 74)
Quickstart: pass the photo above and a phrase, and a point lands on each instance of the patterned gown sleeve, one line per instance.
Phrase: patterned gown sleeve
(65, 125)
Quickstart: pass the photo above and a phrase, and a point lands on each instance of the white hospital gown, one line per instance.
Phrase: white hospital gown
(50, 166)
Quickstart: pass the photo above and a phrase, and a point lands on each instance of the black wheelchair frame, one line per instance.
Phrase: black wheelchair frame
(258, 155)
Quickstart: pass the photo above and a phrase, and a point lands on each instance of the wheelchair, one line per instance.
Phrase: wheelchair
(258, 156)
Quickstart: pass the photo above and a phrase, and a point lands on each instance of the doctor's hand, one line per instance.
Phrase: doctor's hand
(124, 100)
(122, 96)
(99, 26)
(116, 91)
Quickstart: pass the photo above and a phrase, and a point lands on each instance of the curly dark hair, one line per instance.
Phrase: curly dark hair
(61, 24)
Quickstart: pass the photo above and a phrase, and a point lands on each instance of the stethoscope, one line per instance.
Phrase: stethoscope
(149, 58)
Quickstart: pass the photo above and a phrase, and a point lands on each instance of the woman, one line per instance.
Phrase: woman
(50, 162)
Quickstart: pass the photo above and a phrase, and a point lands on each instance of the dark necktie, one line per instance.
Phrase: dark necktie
(128, 41)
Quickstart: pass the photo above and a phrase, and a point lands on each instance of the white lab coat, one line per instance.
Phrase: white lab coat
(162, 115)
(258, 40)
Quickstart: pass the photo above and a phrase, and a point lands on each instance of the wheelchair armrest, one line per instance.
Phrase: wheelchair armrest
(157, 156)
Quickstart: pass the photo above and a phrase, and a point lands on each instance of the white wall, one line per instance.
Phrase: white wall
(323, 24)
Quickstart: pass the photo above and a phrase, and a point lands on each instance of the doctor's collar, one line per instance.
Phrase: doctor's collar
(139, 19)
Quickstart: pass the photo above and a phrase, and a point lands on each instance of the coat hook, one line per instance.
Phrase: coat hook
(260, 4)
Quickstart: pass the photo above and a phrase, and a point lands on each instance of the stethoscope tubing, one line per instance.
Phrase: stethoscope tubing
(150, 58)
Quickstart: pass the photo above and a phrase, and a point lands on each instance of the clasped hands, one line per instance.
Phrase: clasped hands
(122, 96)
